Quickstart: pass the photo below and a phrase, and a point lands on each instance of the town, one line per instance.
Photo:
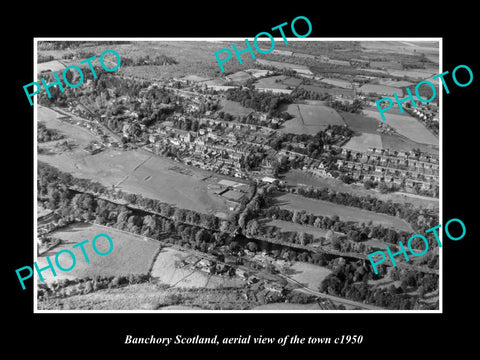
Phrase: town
(262, 187)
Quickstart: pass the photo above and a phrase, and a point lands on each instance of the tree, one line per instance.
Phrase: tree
(253, 247)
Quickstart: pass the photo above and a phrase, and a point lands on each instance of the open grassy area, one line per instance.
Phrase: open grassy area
(234, 108)
(394, 142)
(131, 254)
(134, 171)
(360, 123)
(323, 90)
(405, 125)
(287, 226)
(346, 213)
(308, 274)
(310, 119)
(363, 142)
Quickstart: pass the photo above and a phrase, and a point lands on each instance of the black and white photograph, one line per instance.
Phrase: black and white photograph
(265, 186)
(215, 179)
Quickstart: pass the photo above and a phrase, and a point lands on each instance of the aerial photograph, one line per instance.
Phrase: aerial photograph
(166, 184)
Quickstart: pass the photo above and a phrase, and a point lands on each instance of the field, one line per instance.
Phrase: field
(338, 83)
(136, 171)
(240, 77)
(149, 296)
(380, 90)
(345, 213)
(283, 65)
(417, 74)
(310, 119)
(364, 141)
(270, 82)
(277, 82)
(309, 275)
(193, 57)
(393, 142)
(164, 269)
(287, 226)
(406, 126)
(395, 83)
(234, 108)
(53, 65)
(360, 123)
(323, 90)
(131, 253)
(297, 177)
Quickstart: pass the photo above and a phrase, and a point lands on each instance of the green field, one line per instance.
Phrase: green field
(287, 226)
(300, 178)
(345, 213)
(136, 171)
(323, 90)
(363, 142)
(310, 119)
(234, 108)
(309, 275)
(393, 142)
(131, 254)
(360, 123)
(405, 125)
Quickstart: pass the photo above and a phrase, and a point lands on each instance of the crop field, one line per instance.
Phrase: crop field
(164, 269)
(364, 141)
(345, 213)
(53, 65)
(240, 76)
(131, 254)
(309, 275)
(405, 125)
(310, 119)
(380, 90)
(417, 74)
(338, 83)
(136, 172)
(360, 123)
(234, 108)
(300, 178)
(396, 143)
(270, 82)
(323, 90)
(283, 65)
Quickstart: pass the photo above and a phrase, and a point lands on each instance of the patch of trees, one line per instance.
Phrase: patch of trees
(45, 135)
(259, 101)
(350, 281)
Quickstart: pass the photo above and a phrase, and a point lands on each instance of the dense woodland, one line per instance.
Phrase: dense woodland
(259, 101)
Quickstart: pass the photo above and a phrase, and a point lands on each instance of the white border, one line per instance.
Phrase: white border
(229, 39)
